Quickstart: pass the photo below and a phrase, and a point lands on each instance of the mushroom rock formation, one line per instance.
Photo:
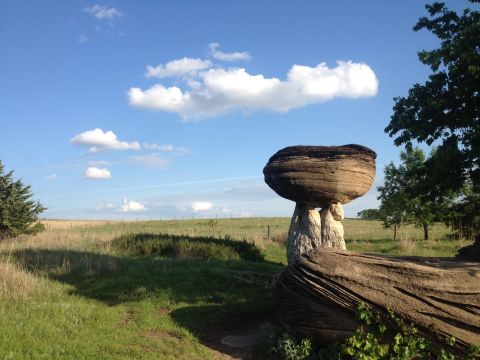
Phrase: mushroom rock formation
(324, 177)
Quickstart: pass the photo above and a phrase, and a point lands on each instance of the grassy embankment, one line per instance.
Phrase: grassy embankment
(70, 293)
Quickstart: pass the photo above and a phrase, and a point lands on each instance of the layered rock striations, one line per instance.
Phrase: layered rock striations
(321, 175)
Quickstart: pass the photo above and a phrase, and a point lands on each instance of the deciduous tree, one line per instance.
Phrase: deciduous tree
(370, 214)
(445, 110)
(409, 196)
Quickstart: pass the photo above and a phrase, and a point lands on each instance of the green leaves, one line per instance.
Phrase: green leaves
(411, 193)
(285, 347)
(18, 213)
(445, 108)
(400, 343)
(382, 337)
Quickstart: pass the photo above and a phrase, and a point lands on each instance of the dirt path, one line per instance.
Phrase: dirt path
(238, 337)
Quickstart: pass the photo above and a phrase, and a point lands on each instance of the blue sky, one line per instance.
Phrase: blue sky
(171, 109)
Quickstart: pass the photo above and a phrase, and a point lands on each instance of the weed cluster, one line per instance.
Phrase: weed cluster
(372, 341)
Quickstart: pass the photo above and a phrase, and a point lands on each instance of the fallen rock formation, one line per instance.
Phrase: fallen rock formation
(318, 295)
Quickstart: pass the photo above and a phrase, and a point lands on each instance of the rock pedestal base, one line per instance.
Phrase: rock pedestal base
(332, 228)
(310, 229)
(304, 233)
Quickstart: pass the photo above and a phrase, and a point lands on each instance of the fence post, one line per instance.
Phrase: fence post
(268, 232)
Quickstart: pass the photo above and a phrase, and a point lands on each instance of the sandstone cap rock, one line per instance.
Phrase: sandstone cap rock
(321, 175)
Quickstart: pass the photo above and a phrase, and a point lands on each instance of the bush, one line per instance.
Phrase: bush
(178, 246)
(283, 346)
(18, 213)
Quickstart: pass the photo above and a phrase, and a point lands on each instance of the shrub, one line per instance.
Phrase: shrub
(18, 213)
(178, 246)
(283, 346)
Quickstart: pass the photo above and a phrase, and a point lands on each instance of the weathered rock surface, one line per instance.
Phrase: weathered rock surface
(332, 228)
(304, 233)
(321, 175)
(318, 295)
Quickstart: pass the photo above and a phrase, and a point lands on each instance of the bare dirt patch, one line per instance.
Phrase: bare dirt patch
(128, 317)
(157, 334)
(164, 310)
(239, 336)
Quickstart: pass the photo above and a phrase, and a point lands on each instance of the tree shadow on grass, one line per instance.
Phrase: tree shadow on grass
(118, 279)
(213, 329)
(204, 296)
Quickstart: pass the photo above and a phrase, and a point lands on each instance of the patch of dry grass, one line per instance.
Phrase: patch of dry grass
(16, 283)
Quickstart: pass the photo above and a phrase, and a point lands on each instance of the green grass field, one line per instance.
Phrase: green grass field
(70, 293)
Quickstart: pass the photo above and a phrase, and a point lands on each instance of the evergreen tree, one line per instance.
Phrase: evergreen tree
(18, 213)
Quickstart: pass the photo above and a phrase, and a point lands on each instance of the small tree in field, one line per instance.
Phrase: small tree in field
(370, 214)
(393, 203)
(18, 213)
(409, 196)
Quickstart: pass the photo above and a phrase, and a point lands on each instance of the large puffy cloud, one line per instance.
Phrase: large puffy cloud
(216, 90)
(97, 173)
(178, 67)
(99, 140)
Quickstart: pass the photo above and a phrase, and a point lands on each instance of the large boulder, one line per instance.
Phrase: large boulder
(321, 175)
(318, 295)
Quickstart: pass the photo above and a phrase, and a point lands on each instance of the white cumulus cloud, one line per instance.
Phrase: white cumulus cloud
(52, 177)
(223, 56)
(99, 140)
(97, 173)
(132, 206)
(198, 206)
(101, 12)
(178, 67)
(216, 91)
(151, 160)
